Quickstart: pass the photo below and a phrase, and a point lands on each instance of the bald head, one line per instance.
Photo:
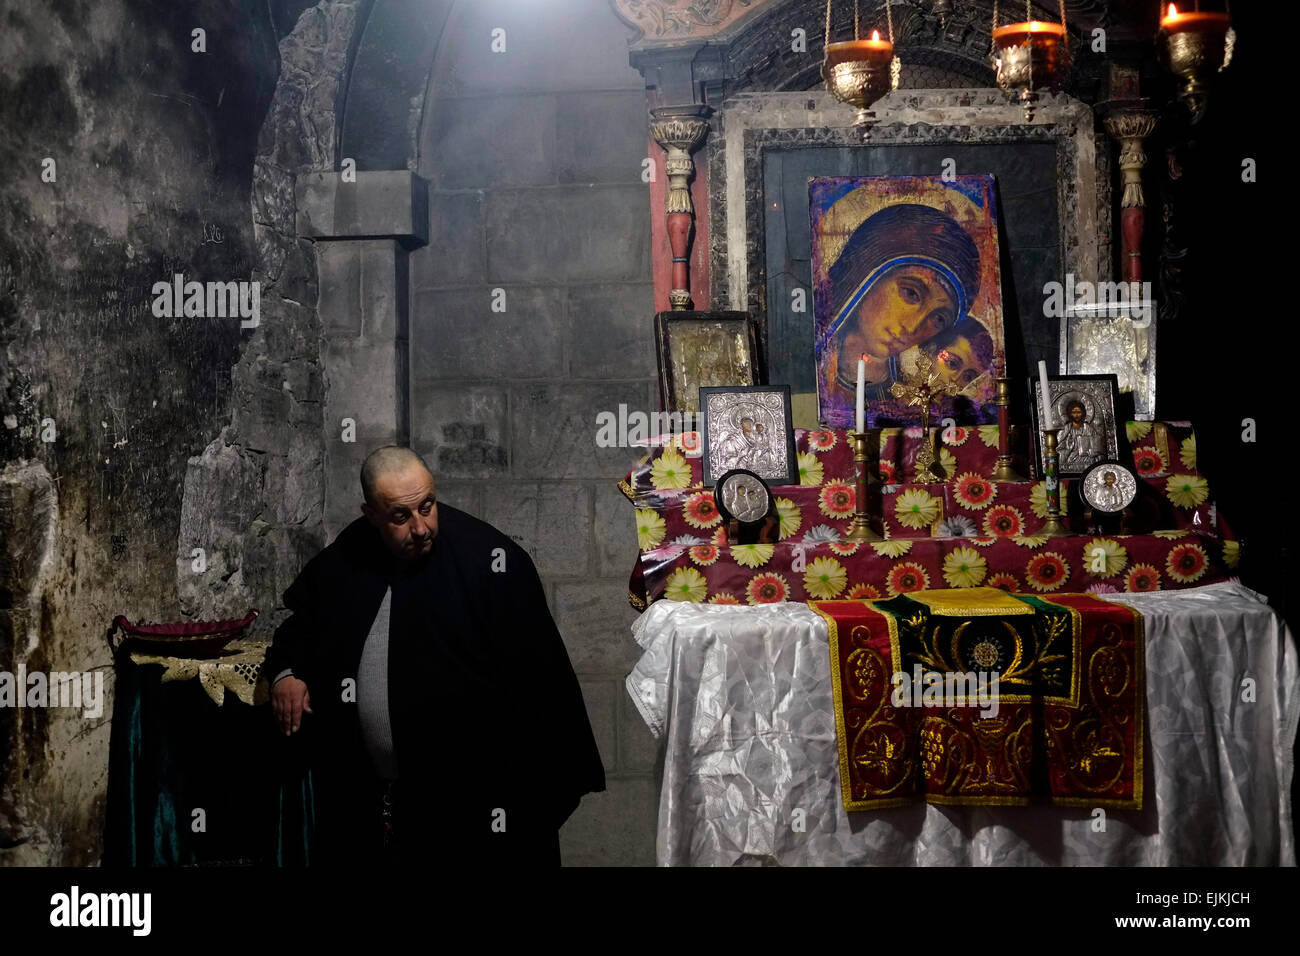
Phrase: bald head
(400, 500)
(388, 460)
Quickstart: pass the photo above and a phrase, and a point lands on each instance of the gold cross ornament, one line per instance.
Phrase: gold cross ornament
(923, 388)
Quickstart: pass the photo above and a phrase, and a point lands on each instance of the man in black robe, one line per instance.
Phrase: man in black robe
(423, 676)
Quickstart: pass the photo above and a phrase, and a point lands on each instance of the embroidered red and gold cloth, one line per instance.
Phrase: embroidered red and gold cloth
(919, 716)
(967, 531)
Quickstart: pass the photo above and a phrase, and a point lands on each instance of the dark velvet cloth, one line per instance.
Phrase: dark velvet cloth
(493, 745)
(173, 751)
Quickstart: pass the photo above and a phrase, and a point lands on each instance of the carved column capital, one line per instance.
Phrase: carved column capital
(1130, 123)
(1130, 127)
(680, 130)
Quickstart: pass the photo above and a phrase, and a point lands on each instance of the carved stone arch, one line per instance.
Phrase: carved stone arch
(755, 54)
(351, 84)
(757, 59)
(382, 103)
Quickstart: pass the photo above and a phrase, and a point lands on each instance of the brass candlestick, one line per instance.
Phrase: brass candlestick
(860, 529)
(922, 388)
(1004, 470)
(926, 458)
(1052, 483)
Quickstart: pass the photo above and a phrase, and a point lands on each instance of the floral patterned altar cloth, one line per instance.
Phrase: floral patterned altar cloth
(967, 531)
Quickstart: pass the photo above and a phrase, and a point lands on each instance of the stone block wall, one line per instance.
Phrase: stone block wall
(534, 159)
(193, 433)
(129, 159)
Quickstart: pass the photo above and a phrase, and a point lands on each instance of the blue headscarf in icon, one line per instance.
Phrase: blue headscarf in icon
(902, 235)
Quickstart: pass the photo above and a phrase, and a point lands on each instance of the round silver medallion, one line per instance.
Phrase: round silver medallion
(1109, 486)
(742, 495)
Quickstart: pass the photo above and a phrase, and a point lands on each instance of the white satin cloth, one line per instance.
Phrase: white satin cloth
(740, 699)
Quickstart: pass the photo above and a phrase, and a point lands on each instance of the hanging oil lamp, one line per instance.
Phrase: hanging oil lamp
(859, 72)
(1030, 56)
(1194, 46)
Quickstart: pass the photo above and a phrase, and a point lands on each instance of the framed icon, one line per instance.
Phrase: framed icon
(749, 428)
(1083, 408)
(905, 266)
(702, 350)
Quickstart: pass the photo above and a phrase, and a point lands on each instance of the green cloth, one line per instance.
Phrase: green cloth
(173, 751)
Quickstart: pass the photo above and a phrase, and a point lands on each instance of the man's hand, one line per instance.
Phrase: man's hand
(289, 699)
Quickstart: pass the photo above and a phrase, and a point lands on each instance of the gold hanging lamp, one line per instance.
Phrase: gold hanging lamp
(859, 72)
(1030, 56)
(1195, 46)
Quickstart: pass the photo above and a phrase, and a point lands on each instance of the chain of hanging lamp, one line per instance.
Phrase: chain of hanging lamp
(857, 20)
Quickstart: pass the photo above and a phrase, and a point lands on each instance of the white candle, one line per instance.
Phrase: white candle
(862, 385)
(1049, 420)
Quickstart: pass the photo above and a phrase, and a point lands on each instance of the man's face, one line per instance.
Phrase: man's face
(405, 511)
(1076, 414)
(1109, 478)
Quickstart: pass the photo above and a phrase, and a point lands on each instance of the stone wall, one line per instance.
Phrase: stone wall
(254, 499)
(128, 158)
(534, 160)
(130, 441)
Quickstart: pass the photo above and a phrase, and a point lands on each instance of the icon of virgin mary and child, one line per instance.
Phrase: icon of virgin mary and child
(907, 276)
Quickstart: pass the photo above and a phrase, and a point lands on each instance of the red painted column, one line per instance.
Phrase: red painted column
(1132, 225)
(679, 130)
(1130, 128)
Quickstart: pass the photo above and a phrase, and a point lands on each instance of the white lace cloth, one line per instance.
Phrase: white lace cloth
(740, 698)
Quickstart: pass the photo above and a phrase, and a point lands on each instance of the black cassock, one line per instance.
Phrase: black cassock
(493, 746)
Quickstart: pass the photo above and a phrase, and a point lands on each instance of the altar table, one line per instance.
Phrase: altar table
(741, 700)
